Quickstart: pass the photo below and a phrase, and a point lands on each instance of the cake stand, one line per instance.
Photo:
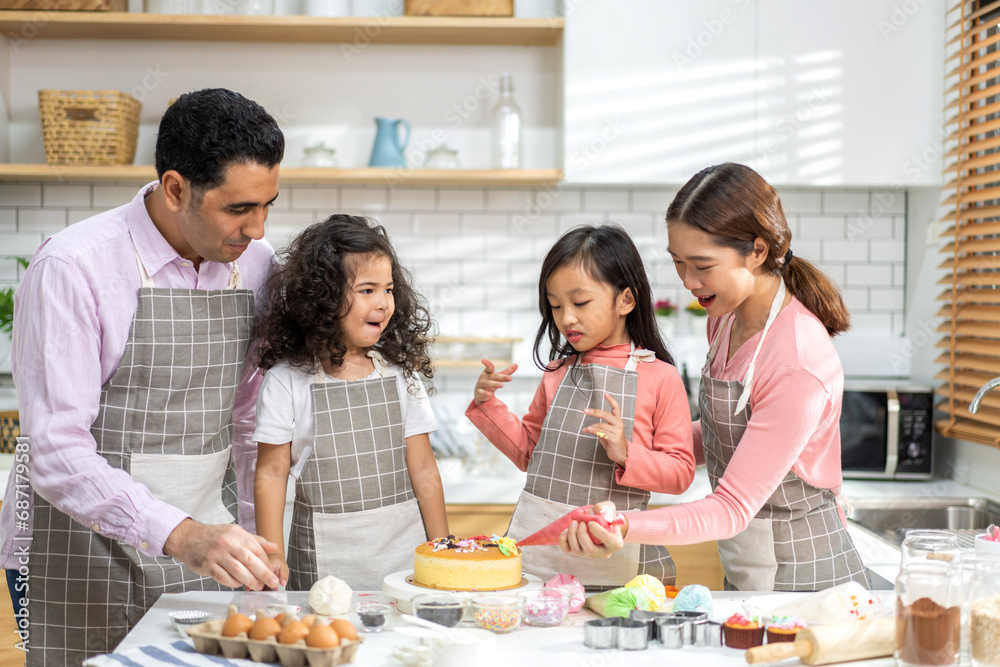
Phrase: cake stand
(397, 586)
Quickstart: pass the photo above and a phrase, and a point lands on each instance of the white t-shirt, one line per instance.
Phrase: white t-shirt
(285, 410)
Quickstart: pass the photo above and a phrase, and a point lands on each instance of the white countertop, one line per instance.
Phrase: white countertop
(561, 645)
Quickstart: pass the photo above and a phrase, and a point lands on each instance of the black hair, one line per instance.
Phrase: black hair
(205, 131)
(309, 294)
(607, 253)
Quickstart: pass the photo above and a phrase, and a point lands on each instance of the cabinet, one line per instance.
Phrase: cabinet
(844, 93)
(322, 78)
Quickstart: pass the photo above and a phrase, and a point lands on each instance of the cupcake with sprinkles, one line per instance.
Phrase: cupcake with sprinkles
(784, 628)
(743, 631)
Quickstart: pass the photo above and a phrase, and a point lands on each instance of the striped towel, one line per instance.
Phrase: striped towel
(178, 654)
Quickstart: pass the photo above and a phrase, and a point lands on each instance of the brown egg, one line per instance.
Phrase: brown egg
(280, 618)
(235, 624)
(293, 632)
(322, 636)
(264, 627)
(309, 619)
(344, 629)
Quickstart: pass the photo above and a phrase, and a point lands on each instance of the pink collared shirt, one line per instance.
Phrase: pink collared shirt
(72, 313)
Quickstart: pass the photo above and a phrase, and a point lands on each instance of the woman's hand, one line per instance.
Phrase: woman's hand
(611, 431)
(490, 380)
(578, 538)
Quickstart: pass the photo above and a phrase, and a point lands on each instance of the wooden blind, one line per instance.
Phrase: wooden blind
(971, 310)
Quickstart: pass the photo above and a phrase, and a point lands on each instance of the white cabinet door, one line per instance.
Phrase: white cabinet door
(655, 90)
(850, 92)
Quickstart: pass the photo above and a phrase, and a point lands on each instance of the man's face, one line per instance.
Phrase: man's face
(221, 225)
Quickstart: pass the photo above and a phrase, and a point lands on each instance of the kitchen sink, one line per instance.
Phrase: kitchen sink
(890, 518)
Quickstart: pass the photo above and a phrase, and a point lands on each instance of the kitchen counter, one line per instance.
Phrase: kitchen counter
(562, 645)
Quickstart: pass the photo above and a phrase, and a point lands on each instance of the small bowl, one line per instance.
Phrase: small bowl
(498, 613)
(373, 615)
(545, 607)
(442, 608)
(985, 546)
(187, 618)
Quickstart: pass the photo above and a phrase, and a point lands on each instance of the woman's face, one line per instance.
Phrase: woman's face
(721, 278)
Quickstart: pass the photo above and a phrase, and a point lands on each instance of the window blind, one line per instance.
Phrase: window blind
(971, 298)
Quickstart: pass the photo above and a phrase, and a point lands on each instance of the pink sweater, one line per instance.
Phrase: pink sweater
(660, 455)
(794, 425)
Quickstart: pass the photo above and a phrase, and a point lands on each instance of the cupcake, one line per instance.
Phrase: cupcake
(784, 628)
(742, 631)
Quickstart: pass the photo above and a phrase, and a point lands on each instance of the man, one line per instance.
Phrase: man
(136, 392)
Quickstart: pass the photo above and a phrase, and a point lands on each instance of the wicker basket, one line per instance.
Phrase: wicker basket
(89, 126)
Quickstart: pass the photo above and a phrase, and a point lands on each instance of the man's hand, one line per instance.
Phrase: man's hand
(226, 552)
(577, 538)
(279, 567)
(490, 380)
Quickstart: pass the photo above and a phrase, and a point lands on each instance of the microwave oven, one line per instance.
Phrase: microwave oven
(886, 431)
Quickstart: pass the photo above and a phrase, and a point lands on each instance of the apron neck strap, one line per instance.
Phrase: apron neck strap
(381, 367)
(235, 278)
(779, 298)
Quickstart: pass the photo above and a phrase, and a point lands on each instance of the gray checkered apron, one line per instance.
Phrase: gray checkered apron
(568, 469)
(355, 514)
(165, 417)
(796, 542)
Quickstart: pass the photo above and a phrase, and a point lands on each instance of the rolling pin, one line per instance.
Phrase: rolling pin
(837, 642)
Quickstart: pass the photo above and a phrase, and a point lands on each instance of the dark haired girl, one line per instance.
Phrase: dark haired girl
(610, 420)
(343, 409)
(770, 396)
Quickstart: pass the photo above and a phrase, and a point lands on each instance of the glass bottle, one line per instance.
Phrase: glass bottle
(506, 128)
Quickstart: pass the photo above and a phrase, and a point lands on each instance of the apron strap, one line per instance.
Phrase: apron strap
(235, 277)
(636, 357)
(748, 378)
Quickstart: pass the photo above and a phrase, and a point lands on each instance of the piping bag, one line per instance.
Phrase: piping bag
(550, 533)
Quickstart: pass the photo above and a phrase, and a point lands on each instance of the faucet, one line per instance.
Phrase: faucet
(974, 406)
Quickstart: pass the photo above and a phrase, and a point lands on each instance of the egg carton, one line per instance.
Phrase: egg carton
(208, 639)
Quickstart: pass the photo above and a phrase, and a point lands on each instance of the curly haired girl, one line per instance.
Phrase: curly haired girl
(342, 408)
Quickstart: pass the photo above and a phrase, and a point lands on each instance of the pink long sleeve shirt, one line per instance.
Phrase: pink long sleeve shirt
(72, 313)
(794, 425)
(660, 455)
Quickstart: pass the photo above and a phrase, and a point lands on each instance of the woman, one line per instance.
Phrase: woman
(770, 397)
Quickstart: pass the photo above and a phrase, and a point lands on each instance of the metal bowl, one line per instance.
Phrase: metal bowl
(187, 618)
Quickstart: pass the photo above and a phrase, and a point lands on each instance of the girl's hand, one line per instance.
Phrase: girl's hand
(610, 432)
(490, 380)
(279, 567)
(577, 538)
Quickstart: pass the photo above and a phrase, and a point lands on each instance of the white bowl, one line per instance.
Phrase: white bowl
(985, 546)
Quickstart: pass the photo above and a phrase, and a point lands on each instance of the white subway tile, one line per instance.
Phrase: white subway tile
(888, 200)
(845, 202)
(845, 251)
(58, 194)
(501, 297)
(485, 323)
(326, 200)
(560, 199)
(21, 195)
(543, 224)
(433, 274)
(75, 215)
(111, 196)
(524, 325)
(436, 223)
(875, 323)
(448, 324)
(460, 297)
(836, 272)
(8, 271)
(868, 227)
(807, 249)
(888, 251)
(8, 219)
(20, 244)
(855, 298)
(412, 199)
(887, 299)
(666, 275)
(47, 221)
(605, 200)
(899, 227)
(485, 273)
(364, 199)
(798, 203)
(653, 201)
(416, 248)
(485, 223)
(507, 247)
(869, 275)
(525, 273)
(636, 224)
(464, 248)
(518, 200)
(830, 227)
(899, 275)
(568, 221)
(395, 224)
(898, 324)
(461, 199)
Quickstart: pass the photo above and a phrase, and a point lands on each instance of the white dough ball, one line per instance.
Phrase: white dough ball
(330, 596)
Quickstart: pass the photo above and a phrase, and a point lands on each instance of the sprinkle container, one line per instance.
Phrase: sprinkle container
(441, 608)
(545, 607)
(499, 613)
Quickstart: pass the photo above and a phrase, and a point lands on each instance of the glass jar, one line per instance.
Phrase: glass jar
(442, 157)
(507, 128)
(928, 614)
(984, 611)
(319, 155)
(933, 545)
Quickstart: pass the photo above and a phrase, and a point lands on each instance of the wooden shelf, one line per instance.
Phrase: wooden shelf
(294, 29)
(362, 176)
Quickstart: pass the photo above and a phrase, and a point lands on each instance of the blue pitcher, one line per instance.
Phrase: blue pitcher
(388, 149)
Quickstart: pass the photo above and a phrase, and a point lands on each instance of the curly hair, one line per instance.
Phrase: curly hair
(309, 295)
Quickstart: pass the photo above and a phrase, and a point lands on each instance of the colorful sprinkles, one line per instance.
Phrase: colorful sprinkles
(467, 545)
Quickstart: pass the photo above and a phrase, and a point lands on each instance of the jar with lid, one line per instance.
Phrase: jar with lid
(442, 157)
(929, 545)
(319, 155)
(928, 614)
(984, 611)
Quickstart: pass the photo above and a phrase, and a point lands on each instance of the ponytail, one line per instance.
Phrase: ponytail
(818, 294)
